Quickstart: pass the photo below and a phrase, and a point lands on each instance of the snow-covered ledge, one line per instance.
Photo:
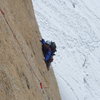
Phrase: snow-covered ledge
(75, 26)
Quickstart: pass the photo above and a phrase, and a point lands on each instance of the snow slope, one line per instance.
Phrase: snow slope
(75, 26)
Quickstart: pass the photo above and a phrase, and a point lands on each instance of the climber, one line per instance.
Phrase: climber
(49, 49)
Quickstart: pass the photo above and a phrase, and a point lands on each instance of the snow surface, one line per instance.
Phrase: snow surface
(75, 27)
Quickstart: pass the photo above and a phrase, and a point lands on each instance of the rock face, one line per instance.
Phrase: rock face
(23, 73)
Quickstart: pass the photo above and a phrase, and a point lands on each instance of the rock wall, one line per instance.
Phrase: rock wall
(23, 73)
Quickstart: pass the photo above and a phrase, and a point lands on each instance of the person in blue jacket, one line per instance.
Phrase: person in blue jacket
(49, 49)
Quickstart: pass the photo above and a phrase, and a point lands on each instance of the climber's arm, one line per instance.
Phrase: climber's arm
(43, 41)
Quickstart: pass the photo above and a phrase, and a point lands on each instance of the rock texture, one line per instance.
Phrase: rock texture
(23, 73)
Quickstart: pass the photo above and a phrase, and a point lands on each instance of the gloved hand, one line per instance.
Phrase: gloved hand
(41, 40)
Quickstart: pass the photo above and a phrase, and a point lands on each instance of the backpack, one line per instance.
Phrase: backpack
(53, 46)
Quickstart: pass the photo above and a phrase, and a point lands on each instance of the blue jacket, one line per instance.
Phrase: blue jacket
(49, 53)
